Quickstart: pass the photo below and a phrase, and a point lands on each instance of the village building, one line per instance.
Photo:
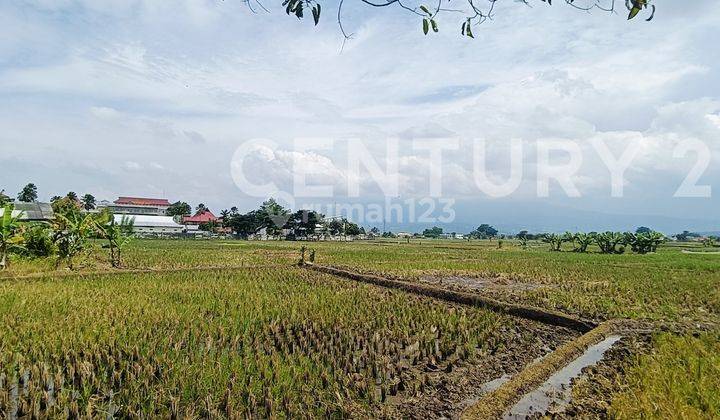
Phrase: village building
(452, 235)
(32, 212)
(152, 225)
(136, 205)
(192, 223)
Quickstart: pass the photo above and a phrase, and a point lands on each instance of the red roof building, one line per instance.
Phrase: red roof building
(200, 217)
(139, 201)
(137, 206)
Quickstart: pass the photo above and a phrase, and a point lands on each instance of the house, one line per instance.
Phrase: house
(32, 212)
(136, 205)
(404, 235)
(452, 235)
(152, 225)
(201, 217)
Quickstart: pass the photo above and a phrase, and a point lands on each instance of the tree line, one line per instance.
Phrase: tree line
(276, 220)
(29, 194)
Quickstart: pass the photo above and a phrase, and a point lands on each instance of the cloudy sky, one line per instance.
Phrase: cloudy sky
(154, 97)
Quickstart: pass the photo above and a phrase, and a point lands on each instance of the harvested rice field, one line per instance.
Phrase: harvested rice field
(235, 329)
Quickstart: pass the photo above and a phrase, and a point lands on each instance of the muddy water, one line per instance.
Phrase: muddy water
(555, 393)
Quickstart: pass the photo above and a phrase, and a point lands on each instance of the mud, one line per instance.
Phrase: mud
(592, 391)
(555, 393)
(482, 284)
(449, 393)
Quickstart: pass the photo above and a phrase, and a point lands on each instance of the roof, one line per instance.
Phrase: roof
(150, 221)
(204, 217)
(139, 201)
(32, 211)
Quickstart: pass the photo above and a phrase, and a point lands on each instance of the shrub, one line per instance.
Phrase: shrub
(38, 241)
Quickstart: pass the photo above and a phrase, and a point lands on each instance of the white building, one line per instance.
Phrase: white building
(157, 225)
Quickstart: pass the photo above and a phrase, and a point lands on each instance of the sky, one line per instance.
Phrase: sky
(153, 98)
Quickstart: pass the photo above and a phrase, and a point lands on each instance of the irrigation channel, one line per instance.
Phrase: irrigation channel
(540, 385)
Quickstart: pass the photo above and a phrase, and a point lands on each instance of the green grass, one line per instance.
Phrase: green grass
(256, 342)
(680, 379)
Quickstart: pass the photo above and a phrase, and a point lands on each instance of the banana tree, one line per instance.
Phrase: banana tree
(72, 231)
(554, 240)
(642, 243)
(10, 237)
(610, 242)
(118, 235)
(582, 241)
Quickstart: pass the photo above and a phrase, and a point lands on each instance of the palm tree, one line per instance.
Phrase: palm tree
(88, 201)
(9, 235)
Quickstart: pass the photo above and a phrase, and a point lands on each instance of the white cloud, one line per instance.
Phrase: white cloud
(174, 87)
(132, 166)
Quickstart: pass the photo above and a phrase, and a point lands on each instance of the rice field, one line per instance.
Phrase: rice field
(680, 378)
(252, 336)
(666, 286)
(232, 343)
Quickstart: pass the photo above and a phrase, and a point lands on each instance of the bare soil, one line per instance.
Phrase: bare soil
(482, 284)
(447, 394)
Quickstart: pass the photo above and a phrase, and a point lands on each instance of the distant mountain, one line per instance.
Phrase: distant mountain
(536, 218)
(713, 233)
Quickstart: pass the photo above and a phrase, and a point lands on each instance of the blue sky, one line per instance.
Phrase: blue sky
(151, 98)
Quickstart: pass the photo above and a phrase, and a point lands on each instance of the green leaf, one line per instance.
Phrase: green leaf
(633, 12)
(434, 25)
(426, 26)
(425, 9)
(468, 30)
